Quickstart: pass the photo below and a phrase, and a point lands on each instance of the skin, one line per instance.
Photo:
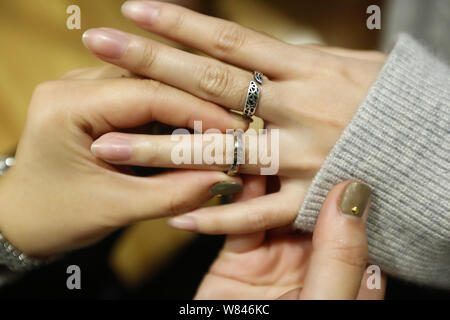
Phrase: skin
(310, 94)
(279, 264)
(59, 196)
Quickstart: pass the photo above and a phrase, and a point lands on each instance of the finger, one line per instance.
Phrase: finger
(201, 76)
(105, 105)
(262, 213)
(221, 39)
(292, 294)
(372, 289)
(340, 251)
(205, 152)
(374, 56)
(166, 194)
(254, 186)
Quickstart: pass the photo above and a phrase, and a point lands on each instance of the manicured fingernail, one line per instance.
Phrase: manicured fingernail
(112, 149)
(355, 199)
(106, 43)
(226, 188)
(141, 12)
(182, 222)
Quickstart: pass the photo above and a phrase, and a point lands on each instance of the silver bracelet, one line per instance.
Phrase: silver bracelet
(10, 257)
(15, 260)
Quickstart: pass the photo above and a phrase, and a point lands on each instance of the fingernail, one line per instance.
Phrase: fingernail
(105, 42)
(355, 199)
(141, 12)
(182, 222)
(226, 188)
(112, 149)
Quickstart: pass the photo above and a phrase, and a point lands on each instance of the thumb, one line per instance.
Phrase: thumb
(340, 250)
(169, 193)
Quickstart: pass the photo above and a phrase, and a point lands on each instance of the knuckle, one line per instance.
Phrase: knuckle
(177, 22)
(230, 38)
(49, 105)
(152, 154)
(215, 80)
(46, 89)
(148, 56)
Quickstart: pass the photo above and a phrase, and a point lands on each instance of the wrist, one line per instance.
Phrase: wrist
(10, 256)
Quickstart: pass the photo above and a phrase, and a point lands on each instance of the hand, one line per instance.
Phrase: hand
(277, 264)
(59, 196)
(311, 95)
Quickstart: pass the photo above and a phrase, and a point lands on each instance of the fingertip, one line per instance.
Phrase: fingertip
(340, 250)
(112, 147)
(84, 37)
(350, 198)
(141, 12)
(355, 199)
(106, 43)
(183, 222)
(343, 215)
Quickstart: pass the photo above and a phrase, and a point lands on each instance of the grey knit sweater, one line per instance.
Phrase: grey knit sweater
(399, 143)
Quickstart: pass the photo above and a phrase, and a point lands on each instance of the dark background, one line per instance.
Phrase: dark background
(177, 280)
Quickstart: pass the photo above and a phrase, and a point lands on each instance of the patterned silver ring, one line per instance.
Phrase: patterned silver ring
(253, 93)
(238, 153)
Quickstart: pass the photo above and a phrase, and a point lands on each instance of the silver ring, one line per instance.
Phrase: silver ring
(238, 153)
(253, 93)
(258, 77)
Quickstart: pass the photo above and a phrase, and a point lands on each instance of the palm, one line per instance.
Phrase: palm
(257, 266)
(265, 265)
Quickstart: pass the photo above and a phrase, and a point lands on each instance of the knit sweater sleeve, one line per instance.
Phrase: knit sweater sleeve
(399, 143)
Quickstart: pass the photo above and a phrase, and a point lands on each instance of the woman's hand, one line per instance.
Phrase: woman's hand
(276, 264)
(311, 94)
(59, 196)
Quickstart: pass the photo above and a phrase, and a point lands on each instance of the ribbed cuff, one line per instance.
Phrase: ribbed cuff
(399, 144)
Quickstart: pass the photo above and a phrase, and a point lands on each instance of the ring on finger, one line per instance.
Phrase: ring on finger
(253, 94)
(238, 153)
